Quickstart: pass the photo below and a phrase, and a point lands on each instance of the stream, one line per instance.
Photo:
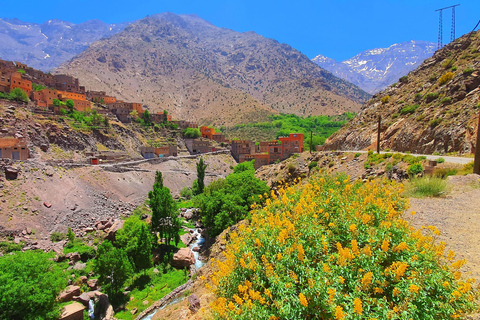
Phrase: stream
(198, 264)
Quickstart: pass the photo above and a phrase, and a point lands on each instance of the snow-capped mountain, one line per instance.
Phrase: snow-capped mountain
(47, 45)
(374, 70)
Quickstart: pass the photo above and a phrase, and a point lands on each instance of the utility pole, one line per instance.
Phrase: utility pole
(440, 24)
(378, 133)
(476, 164)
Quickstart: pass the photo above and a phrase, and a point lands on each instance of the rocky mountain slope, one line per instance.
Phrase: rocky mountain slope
(433, 109)
(374, 70)
(196, 70)
(47, 45)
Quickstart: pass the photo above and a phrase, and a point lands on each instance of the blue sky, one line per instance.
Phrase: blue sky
(338, 29)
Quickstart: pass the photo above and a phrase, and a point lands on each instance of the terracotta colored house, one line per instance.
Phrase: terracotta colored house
(241, 148)
(166, 151)
(99, 95)
(261, 159)
(292, 144)
(209, 133)
(16, 81)
(12, 148)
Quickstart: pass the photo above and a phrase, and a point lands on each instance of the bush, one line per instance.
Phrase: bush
(404, 79)
(357, 155)
(468, 71)
(29, 285)
(385, 99)
(191, 133)
(330, 249)
(414, 169)
(409, 109)
(427, 187)
(446, 100)
(435, 122)
(447, 63)
(7, 246)
(431, 96)
(440, 160)
(186, 193)
(312, 165)
(57, 236)
(446, 78)
(445, 172)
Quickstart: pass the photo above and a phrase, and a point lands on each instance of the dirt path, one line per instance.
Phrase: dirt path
(457, 216)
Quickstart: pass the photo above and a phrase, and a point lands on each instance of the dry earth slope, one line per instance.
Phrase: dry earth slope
(196, 70)
(433, 109)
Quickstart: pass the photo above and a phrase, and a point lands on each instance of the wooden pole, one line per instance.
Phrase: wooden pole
(476, 164)
(378, 133)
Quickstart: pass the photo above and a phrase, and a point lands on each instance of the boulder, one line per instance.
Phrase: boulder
(112, 231)
(183, 258)
(186, 239)
(92, 284)
(196, 249)
(47, 204)
(194, 302)
(84, 298)
(79, 266)
(83, 279)
(11, 173)
(188, 214)
(69, 293)
(73, 256)
(73, 311)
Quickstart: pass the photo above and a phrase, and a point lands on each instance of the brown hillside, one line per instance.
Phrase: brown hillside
(196, 70)
(427, 111)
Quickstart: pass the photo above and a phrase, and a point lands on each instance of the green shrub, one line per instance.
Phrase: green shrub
(445, 172)
(357, 155)
(414, 169)
(395, 115)
(186, 193)
(446, 78)
(385, 99)
(435, 122)
(446, 100)
(7, 246)
(447, 63)
(440, 160)
(427, 187)
(312, 165)
(409, 109)
(191, 133)
(431, 96)
(404, 79)
(57, 236)
(418, 97)
(454, 68)
(468, 71)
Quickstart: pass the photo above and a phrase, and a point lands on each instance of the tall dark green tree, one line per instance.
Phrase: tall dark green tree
(165, 219)
(201, 166)
(165, 114)
(147, 118)
(114, 268)
(70, 105)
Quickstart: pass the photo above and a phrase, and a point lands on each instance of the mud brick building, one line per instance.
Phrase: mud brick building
(197, 146)
(209, 133)
(183, 124)
(292, 144)
(241, 148)
(166, 151)
(12, 148)
(97, 96)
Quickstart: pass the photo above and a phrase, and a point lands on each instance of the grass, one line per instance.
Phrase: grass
(151, 287)
(426, 187)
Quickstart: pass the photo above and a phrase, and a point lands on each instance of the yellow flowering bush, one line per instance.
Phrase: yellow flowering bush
(331, 249)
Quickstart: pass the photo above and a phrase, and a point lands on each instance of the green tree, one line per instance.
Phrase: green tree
(19, 95)
(165, 219)
(102, 101)
(29, 285)
(106, 122)
(70, 235)
(57, 103)
(136, 240)
(134, 115)
(165, 114)
(113, 267)
(201, 166)
(191, 133)
(70, 105)
(147, 118)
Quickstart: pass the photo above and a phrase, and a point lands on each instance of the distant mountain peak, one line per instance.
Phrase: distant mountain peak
(375, 69)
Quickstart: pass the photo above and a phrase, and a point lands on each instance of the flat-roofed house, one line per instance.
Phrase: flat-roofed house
(12, 148)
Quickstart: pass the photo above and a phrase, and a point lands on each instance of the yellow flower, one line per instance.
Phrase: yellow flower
(367, 279)
(238, 300)
(396, 291)
(458, 264)
(353, 227)
(357, 306)
(303, 300)
(385, 245)
(377, 290)
(339, 315)
(342, 280)
(413, 288)
(400, 247)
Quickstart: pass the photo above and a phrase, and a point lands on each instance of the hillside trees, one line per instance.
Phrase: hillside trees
(29, 284)
(226, 201)
(136, 240)
(191, 133)
(200, 185)
(165, 219)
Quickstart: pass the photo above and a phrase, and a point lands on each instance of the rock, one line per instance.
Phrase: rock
(111, 232)
(183, 258)
(198, 224)
(133, 311)
(44, 147)
(188, 214)
(17, 240)
(92, 284)
(47, 204)
(196, 249)
(155, 271)
(186, 238)
(73, 256)
(69, 293)
(29, 231)
(145, 302)
(79, 266)
(11, 173)
(84, 298)
(89, 229)
(72, 311)
(194, 302)
(84, 279)
(59, 258)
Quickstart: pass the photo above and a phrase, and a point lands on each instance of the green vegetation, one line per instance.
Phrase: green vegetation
(409, 109)
(15, 94)
(165, 219)
(440, 160)
(8, 246)
(135, 238)
(385, 99)
(29, 284)
(200, 185)
(37, 87)
(191, 133)
(468, 71)
(431, 96)
(446, 100)
(84, 120)
(345, 253)
(312, 165)
(227, 201)
(57, 236)
(414, 169)
(435, 122)
(283, 124)
(21, 71)
(426, 187)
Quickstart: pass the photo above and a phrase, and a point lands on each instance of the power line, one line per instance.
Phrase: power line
(440, 25)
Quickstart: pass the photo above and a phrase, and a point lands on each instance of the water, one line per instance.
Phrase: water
(198, 264)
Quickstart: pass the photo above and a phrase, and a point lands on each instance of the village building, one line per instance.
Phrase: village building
(261, 159)
(160, 117)
(198, 146)
(292, 144)
(166, 151)
(12, 148)
(64, 82)
(183, 124)
(241, 148)
(147, 152)
(209, 133)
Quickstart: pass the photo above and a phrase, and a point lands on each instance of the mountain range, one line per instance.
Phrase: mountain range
(374, 70)
(198, 71)
(47, 45)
